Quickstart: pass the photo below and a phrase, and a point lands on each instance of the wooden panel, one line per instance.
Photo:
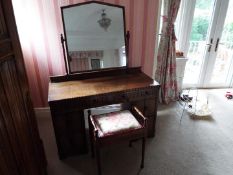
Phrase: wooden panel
(4, 169)
(16, 110)
(20, 142)
(70, 133)
(5, 42)
(3, 30)
(7, 115)
(151, 125)
(5, 49)
(8, 164)
(150, 106)
(96, 74)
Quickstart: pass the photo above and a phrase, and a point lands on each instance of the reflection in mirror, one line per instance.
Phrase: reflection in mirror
(95, 36)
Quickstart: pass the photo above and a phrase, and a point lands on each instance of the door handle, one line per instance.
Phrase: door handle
(210, 44)
(216, 46)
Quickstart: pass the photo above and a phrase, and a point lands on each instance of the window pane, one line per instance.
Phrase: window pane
(198, 39)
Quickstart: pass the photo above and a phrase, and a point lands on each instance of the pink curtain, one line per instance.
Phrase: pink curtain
(80, 59)
(166, 60)
(39, 25)
(79, 64)
(86, 54)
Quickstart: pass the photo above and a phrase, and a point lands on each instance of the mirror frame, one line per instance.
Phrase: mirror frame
(65, 48)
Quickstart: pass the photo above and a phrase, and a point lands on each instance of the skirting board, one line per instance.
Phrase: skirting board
(40, 112)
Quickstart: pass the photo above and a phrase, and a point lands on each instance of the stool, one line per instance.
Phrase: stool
(110, 128)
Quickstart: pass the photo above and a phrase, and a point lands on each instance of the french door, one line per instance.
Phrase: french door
(210, 53)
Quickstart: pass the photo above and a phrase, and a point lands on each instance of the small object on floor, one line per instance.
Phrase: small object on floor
(202, 109)
(229, 95)
(190, 98)
(186, 98)
(205, 117)
(196, 105)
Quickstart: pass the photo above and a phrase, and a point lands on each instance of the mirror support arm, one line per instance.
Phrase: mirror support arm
(127, 48)
(64, 53)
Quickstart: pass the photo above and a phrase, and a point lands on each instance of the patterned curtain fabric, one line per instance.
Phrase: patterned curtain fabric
(87, 54)
(79, 64)
(166, 59)
(80, 59)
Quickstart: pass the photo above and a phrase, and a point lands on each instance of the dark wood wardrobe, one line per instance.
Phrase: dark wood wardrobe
(21, 149)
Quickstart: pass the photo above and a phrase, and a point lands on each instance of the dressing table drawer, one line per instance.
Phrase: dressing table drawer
(141, 94)
(121, 97)
(106, 99)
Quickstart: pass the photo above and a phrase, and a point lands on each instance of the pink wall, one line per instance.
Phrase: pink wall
(39, 26)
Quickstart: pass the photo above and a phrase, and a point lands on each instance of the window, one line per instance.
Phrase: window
(182, 24)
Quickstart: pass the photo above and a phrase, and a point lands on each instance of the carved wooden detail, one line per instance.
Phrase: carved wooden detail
(3, 31)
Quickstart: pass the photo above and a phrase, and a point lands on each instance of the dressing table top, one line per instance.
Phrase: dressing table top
(94, 86)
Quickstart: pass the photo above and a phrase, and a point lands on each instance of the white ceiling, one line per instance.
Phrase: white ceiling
(83, 30)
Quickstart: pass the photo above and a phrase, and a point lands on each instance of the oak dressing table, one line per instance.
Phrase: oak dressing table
(70, 94)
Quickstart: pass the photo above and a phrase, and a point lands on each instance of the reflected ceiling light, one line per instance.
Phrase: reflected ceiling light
(104, 22)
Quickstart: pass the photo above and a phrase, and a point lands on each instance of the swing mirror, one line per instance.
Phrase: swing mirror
(95, 36)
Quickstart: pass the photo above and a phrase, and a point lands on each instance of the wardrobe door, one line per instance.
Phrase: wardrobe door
(8, 164)
(21, 149)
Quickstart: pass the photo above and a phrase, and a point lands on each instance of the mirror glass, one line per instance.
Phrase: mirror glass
(95, 36)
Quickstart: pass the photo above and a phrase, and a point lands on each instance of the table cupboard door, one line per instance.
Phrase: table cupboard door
(70, 133)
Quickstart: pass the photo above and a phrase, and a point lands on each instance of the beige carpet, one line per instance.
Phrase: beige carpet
(194, 147)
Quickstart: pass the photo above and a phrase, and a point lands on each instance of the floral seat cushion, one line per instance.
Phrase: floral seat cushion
(115, 122)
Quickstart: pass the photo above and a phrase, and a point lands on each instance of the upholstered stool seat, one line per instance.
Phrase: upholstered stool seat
(116, 123)
(113, 127)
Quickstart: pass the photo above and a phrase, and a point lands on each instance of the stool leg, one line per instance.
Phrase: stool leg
(143, 152)
(130, 143)
(98, 159)
(91, 133)
(92, 146)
